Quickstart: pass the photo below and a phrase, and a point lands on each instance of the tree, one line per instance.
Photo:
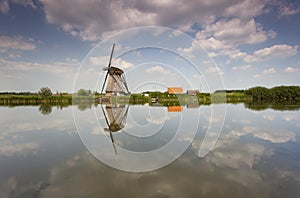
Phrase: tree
(45, 92)
(278, 93)
(258, 93)
(84, 92)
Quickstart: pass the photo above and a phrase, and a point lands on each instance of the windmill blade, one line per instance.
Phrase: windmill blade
(105, 117)
(113, 142)
(125, 83)
(104, 82)
(111, 137)
(112, 51)
(110, 133)
(125, 115)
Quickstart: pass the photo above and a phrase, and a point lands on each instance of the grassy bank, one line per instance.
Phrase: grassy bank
(9, 99)
(256, 94)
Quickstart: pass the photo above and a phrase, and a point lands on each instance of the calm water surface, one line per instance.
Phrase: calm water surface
(256, 155)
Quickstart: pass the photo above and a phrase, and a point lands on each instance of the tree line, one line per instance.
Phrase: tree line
(279, 93)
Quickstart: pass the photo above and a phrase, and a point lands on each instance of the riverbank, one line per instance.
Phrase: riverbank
(277, 94)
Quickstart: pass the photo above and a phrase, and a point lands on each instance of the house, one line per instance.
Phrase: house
(193, 92)
(175, 90)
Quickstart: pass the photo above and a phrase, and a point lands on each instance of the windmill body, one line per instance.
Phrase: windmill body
(115, 118)
(116, 84)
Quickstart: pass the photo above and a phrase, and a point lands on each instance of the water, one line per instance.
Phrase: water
(257, 153)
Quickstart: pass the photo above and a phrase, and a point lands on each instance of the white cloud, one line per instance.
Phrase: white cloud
(246, 9)
(158, 121)
(158, 69)
(16, 43)
(269, 117)
(271, 70)
(100, 60)
(188, 52)
(244, 156)
(271, 34)
(110, 16)
(213, 70)
(103, 61)
(223, 37)
(214, 44)
(289, 117)
(291, 70)
(274, 135)
(118, 62)
(231, 33)
(67, 66)
(9, 149)
(256, 76)
(243, 67)
(274, 52)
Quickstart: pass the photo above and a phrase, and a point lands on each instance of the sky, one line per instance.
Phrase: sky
(243, 43)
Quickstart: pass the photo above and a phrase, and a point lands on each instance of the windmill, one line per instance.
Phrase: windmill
(115, 119)
(116, 84)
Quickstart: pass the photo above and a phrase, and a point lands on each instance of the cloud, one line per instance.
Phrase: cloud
(15, 43)
(274, 135)
(231, 33)
(4, 4)
(100, 60)
(213, 70)
(67, 66)
(158, 120)
(288, 11)
(242, 9)
(214, 44)
(286, 8)
(24, 75)
(157, 69)
(274, 52)
(118, 62)
(229, 156)
(269, 117)
(256, 76)
(223, 37)
(291, 70)
(289, 118)
(106, 17)
(242, 68)
(271, 70)
(188, 52)
(7, 148)
(103, 61)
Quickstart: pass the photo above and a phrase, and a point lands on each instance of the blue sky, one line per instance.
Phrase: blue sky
(252, 42)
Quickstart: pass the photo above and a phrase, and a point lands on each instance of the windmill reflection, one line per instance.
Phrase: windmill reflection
(115, 117)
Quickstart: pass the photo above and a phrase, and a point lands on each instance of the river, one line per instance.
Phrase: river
(220, 150)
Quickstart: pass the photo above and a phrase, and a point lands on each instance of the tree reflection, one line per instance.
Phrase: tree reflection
(84, 106)
(45, 109)
(260, 105)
